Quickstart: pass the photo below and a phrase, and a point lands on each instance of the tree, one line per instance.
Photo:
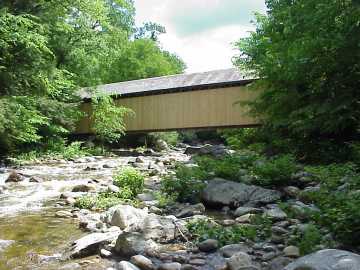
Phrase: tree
(49, 49)
(107, 118)
(307, 56)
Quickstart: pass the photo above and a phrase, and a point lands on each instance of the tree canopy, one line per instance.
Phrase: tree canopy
(307, 56)
(49, 49)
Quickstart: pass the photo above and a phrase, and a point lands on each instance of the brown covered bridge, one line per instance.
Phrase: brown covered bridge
(186, 101)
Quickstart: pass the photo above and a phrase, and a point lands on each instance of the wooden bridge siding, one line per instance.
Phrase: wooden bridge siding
(192, 109)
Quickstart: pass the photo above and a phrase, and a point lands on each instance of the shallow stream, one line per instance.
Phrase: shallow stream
(27, 212)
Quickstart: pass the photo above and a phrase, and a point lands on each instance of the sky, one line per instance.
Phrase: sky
(201, 32)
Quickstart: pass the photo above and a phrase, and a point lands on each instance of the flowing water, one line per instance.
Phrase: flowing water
(27, 212)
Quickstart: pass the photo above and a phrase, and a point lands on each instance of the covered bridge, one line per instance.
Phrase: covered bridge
(199, 100)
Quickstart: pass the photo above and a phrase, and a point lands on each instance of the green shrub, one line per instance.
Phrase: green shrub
(105, 200)
(263, 226)
(85, 202)
(165, 199)
(228, 167)
(338, 200)
(186, 184)
(276, 171)
(130, 179)
(308, 241)
(204, 229)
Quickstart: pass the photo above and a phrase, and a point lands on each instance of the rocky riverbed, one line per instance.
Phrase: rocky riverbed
(41, 229)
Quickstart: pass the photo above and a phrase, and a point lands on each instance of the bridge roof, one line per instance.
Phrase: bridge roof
(173, 83)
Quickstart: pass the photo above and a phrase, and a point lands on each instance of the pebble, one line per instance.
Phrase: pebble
(292, 252)
(142, 262)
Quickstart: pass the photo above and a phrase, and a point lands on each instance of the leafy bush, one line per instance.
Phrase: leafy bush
(204, 229)
(263, 225)
(85, 202)
(165, 199)
(56, 148)
(338, 200)
(186, 184)
(105, 200)
(129, 179)
(309, 240)
(276, 171)
(228, 167)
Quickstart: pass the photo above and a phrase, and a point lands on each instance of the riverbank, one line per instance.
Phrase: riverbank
(233, 225)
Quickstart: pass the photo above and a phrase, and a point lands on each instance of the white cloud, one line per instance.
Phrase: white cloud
(206, 48)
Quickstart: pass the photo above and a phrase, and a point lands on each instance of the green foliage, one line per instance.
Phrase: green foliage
(130, 180)
(307, 55)
(230, 167)
(338, 200)
(276, 171)
(107, 118)
(50, 49)
(309, 240)
(263, 226)
(85, 202)
(204, 229)
(165, 200)
(105, 200)
(186, 184)
(55, 148)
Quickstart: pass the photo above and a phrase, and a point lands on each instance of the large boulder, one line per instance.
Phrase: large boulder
(90, 244)
(327, 259)
(127, 217)
(222, 192)
(159, 228)
(133, 243)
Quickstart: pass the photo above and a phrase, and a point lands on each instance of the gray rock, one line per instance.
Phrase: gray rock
(63, 214)
(105, 253)
(70, 266)
(230, 250)
(327, 259)
(279, 263)
(161, 145)
(4, 244)
(208, 245)
(83, 188)
(124, 265)
(113, 188)
(275, 214)
(191, 210)
(291, 191)
(207, 149)
(223, 192)
(90, 244)
(144, 197)
(292, 251)
(134, 243)
(14, 177)
(170, 266)
(35, 179)
(239, 261)
(159, 228)
(240, 211)
(127, 217)
(245, 218)
(142, 262)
